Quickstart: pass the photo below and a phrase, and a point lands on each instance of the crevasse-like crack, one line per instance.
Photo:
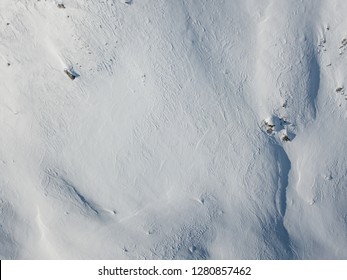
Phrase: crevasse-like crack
(284, 166)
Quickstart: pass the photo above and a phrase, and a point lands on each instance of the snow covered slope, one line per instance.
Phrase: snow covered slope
(194, 130)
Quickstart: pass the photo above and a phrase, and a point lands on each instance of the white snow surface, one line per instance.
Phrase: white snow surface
(170, 144)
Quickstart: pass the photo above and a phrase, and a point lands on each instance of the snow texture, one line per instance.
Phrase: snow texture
(179, 130)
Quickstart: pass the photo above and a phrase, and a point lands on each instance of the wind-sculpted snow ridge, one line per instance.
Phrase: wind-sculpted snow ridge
(173, 129)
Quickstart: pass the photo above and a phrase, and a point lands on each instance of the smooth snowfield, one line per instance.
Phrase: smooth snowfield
(193, 129)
